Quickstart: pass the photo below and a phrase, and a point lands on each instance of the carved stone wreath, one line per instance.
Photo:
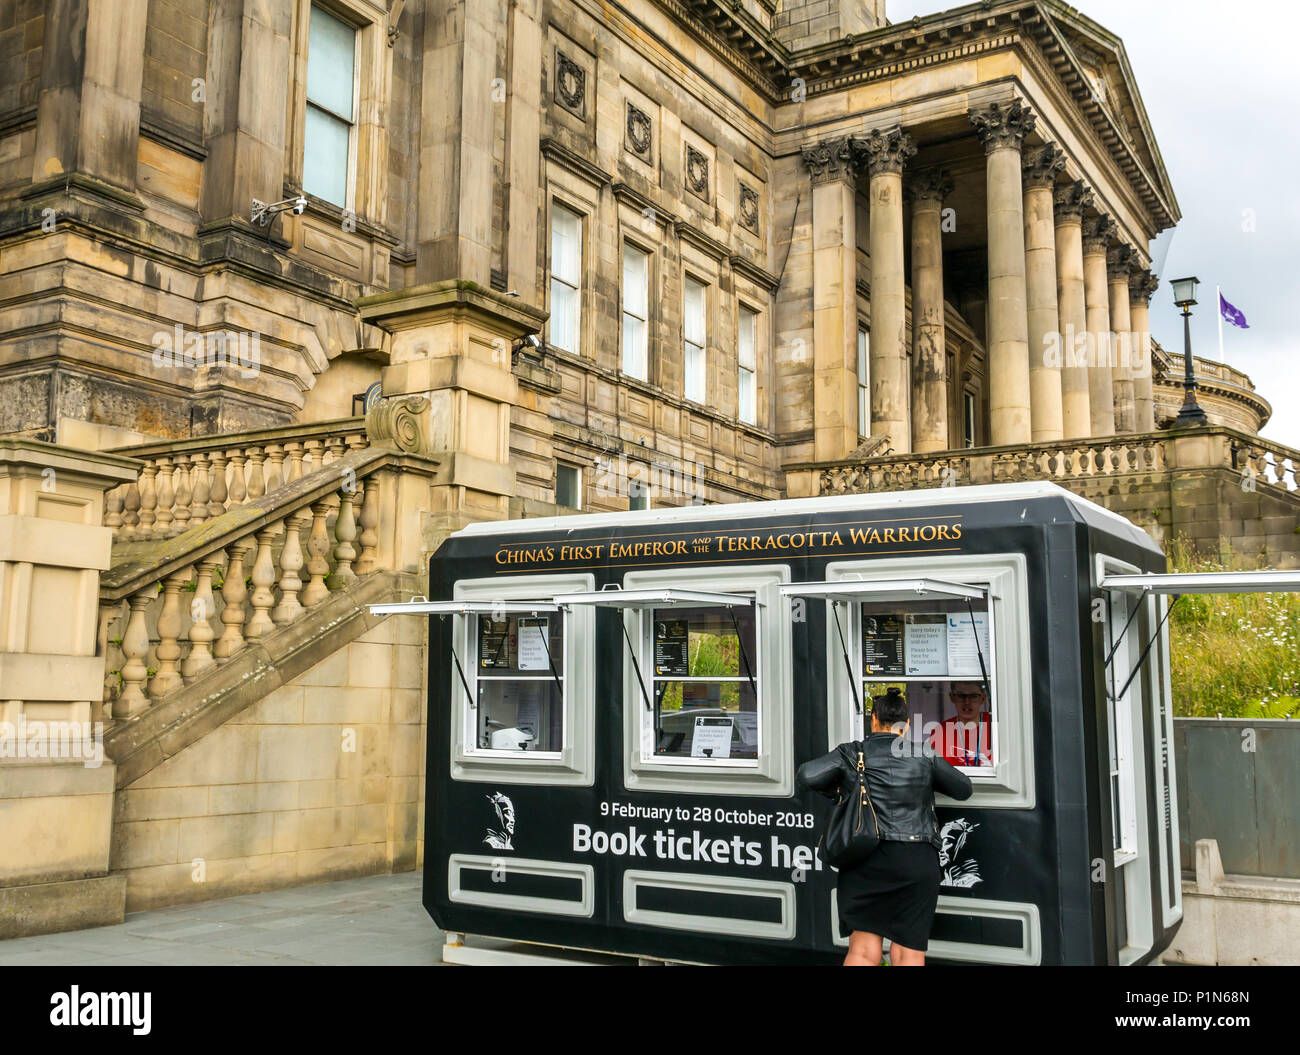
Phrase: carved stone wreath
(640, 133)
(697, 172)
(749, 208)
(570, 84)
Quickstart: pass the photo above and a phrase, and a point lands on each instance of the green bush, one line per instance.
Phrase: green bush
(1232, 655)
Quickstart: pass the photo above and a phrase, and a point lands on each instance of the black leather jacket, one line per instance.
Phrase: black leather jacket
(902, 777)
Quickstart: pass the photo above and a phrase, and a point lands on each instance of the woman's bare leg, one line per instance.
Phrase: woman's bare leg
(902, 956)
(864, 950)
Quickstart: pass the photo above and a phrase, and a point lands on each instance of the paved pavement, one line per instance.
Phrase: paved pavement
(373, 921)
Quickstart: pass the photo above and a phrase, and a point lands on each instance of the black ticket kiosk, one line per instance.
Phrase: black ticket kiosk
(618, 704)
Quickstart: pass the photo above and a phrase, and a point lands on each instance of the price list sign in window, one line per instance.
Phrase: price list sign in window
(932, 650)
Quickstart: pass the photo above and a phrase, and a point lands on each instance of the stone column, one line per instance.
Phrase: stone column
(929, 352)
(1119, 265)
(92, 69)
(524, 128)
(448, 393)
(247, 98)
(1040, 170)
(1071, 201)
(835, 299)
(1141, 285)
(1097, 233)
(885, 154)
(1002, 129)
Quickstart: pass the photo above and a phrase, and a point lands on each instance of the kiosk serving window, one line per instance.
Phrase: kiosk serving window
(950, 631)
(705, 701)
(937, 651)
(520, 683)
(520, 675)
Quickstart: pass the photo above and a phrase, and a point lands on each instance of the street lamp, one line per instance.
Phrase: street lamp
(1191, 413)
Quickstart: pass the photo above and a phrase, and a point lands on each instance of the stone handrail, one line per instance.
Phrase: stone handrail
(186, 482)
(1063, 462)
(240, 574)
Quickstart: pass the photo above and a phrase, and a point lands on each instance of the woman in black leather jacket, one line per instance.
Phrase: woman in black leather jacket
(893, 893)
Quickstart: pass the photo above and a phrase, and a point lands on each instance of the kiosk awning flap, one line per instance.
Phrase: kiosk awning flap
(418, 605)
(655, 598)
(1206, 582)
(886, 590)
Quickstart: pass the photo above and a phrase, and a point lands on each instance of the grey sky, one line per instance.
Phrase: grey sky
(1221, 85)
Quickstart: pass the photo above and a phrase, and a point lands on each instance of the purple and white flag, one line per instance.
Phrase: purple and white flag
(1232, 315)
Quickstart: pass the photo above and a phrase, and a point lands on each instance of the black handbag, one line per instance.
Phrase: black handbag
(852, 833)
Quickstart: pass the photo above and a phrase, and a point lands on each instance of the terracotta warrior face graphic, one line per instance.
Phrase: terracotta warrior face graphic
(501, 837)
(953, 837)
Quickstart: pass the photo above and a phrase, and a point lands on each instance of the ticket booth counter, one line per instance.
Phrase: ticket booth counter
(618, 704)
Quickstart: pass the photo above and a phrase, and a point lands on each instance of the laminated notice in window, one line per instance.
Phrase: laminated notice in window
(493, 643)
(712, 738)
(532, 644)
(963, 659)
(882, 645)
(926, 645)
(671, 646)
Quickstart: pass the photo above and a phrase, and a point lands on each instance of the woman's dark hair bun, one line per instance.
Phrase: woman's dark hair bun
(891, 707)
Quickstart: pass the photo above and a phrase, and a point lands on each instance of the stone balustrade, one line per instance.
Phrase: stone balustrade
(187, 482)
(1267, 462)
(172, 610)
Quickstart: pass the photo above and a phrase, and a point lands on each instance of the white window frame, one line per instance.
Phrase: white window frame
(640, 368)
(574, 763)
(772, 773)
(969, 416)
(350, 175)
(747, 364)
(695, 340)
(572, 282)
(1009, 783)
(864, 380)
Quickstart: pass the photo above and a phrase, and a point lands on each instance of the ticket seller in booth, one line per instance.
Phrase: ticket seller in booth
(965, 738)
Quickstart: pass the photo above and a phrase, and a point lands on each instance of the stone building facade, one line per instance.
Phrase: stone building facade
(290, 289)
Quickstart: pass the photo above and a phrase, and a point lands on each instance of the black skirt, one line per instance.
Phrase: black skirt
(892, 893)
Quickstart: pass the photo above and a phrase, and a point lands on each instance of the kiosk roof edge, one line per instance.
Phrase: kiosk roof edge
(787, 506)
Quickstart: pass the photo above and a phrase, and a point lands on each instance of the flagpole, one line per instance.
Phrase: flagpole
(1218, 306)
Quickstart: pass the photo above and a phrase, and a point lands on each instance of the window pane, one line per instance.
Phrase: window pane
(568, 486)
(745, 338)
(564, 316)
(634, 336)
(706, 719)
(521, 644)
(747, 400)
(694, 312)
(566, 245)
(330, 63)
(694, 369)
(635, 291)
(325, 157)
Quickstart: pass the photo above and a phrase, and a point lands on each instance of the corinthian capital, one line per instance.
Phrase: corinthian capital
(1072, 201)
(1042, 165)
(1097, 232)
(1121, 260)
(1141, 285)
(929, 185)
(830, 160)
(1003, 125)
(886, 150)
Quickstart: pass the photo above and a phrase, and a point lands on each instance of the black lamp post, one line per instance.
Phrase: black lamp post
(1191, 413)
